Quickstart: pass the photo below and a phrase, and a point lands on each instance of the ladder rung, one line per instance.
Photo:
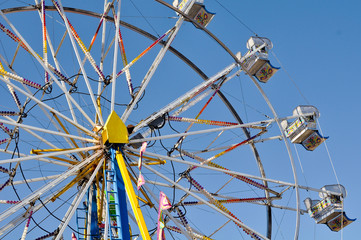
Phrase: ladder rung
(115, 227)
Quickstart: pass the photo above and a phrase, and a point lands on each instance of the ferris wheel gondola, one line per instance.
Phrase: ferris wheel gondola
(98, 147)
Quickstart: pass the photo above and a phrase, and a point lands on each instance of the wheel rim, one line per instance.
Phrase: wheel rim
(127, 150)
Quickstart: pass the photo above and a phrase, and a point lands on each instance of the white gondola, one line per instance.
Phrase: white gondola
(329, 210)
(256, 61)
(198, 12)
(304, 129)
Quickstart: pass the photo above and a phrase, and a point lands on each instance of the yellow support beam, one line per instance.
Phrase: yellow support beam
(156, 160)
(132, 197)
(146, 163)
(88, 169)
(148, 201)
(67, 132)
(99, 193)
(115, 132)
(100, 217)
(96, 137)
(100, 110)
(33, 151)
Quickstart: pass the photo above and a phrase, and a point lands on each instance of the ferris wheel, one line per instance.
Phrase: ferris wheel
(109, 131)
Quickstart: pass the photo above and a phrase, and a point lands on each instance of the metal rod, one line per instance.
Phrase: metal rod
(154, 66)
(37, 179)
(36, 194)
(40, 158)
(185, 97)
(230, 172)
(115, 58)
(43, 156)
(46, 68)
(38, 137)
(48, 131)
(66, 21)
(289, 154)
(205, 202)
(74, 206)
(50, 108)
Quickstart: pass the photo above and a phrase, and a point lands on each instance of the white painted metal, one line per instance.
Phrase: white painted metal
(72, 209)
(9, 84)
(40, 138)
(115, 59)
(87, 54)
(198, 132)
(47, 69)
(43, 156)
(50, 108)
(48, 131)
(184, 97)
(154, 66)
(21, 217)
(278, 121)
(58, 68)
(163, 157)
(40, 159)
(204, 201)
(47, 187)
(37, 179)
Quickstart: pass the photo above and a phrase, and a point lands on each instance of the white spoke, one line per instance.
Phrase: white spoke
(58, 134)
(37, 179)
(189, 94)
(22, 217)
(205, 202)
(29, 95)
(47, 69)
(75, 204)
(80, 63)
(101, 64)
(191, 164)
(44, 156)
(47, 187)
(152, 69)
(62, 83)
(115, 58)
(50, 108)
(38, 137)
(48, 131)
(199, 132)
(40, 158)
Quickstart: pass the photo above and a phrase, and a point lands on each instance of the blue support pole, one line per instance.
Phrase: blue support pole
(94, 228)
(120, 201)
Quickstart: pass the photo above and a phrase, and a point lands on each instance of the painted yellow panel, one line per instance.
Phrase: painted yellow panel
(132, 197)
(115, 130)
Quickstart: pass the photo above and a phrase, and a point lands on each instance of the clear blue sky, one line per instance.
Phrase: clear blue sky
(317, 45)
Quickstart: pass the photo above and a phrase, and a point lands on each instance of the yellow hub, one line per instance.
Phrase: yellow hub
(115, 130)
